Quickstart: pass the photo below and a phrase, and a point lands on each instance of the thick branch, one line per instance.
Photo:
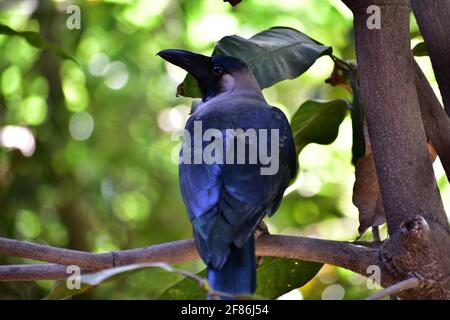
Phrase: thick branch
(419, 234)
(433, 18)
(172, 252)
(32, 272)
(399, 143)
(436, 122)
(342, 254)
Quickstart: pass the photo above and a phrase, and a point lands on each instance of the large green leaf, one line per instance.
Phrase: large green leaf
(275, 277)
(275, 54)
(88, 281)
(186, 289)
(60, 291)
(278, 276)
(318, 122)
(35, 40)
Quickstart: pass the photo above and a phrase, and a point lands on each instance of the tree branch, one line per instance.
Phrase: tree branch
(435, 120)
(419, 234)
(393, 116)
(341, 254)
(32, 272)
(433, 18)
(396, 288)
(39, 252)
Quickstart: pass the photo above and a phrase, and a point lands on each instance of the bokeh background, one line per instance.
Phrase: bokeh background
(87, 150)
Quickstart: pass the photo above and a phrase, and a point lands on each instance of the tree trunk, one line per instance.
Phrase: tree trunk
(419, 243)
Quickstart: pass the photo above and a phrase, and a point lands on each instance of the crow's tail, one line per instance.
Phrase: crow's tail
(238, 274)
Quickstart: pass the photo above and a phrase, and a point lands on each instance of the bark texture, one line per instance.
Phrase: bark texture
(436, 122)
(419, 236)
(433, 18)
(355, 257)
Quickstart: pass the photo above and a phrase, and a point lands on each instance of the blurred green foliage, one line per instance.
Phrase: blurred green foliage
(88, 156)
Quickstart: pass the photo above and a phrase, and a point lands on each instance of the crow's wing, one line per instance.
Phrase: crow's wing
(225, 202)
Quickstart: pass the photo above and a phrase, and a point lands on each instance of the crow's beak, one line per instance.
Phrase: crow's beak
(196, 64)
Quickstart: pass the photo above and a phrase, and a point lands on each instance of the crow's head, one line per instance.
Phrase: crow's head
(215, 75)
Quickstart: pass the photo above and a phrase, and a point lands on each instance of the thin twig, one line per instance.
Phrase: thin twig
(396, 288)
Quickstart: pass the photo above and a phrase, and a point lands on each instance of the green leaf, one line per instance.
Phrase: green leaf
(189, 87)
(36, 40)
(420, 50)
(61, 292)
(318, 122)
(186, 289)
(7, 30)
(275, 277)
(88, 281)
(273, 55)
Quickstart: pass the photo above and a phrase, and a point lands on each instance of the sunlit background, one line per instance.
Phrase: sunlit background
(87, 150)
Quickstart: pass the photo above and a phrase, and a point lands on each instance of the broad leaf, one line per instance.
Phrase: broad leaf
(274, 55)
(318, 122)
(186, 289)
(420, 50)
(35, 40)
(275, 277)
(278, 276)
(60, 291)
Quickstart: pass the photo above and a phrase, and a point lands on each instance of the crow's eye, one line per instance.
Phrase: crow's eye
(217, 70)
